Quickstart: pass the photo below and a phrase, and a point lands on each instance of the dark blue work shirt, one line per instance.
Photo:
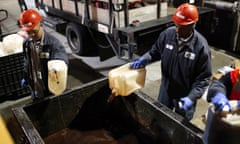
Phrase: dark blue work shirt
(185, 72)
(37, 55)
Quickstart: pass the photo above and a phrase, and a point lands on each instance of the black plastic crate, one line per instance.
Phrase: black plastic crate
(11, 73)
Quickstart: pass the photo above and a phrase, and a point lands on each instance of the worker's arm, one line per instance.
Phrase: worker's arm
(203, 73)
(57, 48)
(223, 85)
(156, 51)
(25, 78)
(153, 54)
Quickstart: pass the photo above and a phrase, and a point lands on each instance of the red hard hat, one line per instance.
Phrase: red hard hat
(185, 14)
(29, 19)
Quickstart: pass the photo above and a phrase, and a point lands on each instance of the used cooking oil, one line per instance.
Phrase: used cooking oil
(100, 136)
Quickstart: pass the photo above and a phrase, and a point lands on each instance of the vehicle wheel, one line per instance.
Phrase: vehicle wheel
(75, 37)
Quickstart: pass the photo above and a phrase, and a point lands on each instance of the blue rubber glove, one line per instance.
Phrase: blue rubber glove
(139, 63)
(23, 82)
(221, 102)
(187, 103)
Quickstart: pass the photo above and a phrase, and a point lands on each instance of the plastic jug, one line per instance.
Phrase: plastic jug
(222, 128)
(123, 80)
(57, 76)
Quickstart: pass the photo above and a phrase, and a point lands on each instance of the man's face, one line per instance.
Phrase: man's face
(184, 31)
(35, 33)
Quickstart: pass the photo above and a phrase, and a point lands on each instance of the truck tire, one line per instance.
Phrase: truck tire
(75, 37)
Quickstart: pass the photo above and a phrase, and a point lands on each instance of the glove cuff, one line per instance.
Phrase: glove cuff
(144, 61)
(218, 96)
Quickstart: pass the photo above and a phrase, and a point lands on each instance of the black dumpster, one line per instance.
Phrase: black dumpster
(83, 116)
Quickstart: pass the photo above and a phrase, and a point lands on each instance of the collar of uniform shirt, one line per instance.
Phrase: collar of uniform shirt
(182, 41)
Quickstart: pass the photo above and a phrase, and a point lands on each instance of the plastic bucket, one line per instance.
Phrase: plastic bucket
(218, 131)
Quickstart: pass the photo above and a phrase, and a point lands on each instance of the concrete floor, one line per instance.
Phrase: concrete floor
(219, 59)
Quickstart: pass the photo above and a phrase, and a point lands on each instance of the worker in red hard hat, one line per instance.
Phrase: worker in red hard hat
(39, 48)
(185, 62)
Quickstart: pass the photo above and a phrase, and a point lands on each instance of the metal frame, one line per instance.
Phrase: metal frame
(122, 40)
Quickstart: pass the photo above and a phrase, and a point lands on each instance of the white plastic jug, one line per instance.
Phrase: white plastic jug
(57, 76)
(123, 80)
(12, 43)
